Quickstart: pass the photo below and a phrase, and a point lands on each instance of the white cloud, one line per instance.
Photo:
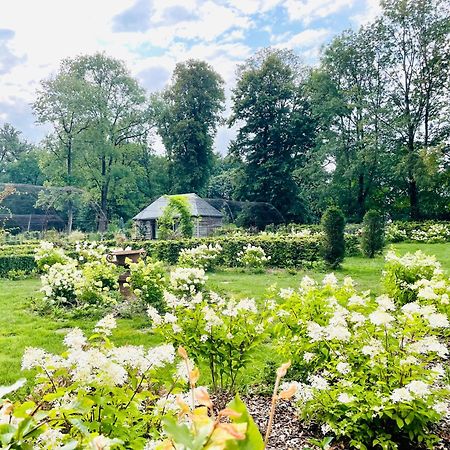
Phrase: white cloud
(308, 10)
(307, 38)
(371, 11)
(150, 36)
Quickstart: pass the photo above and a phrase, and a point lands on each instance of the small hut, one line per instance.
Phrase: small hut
(206, 217)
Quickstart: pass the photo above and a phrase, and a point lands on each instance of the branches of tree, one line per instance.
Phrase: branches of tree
(367, 128)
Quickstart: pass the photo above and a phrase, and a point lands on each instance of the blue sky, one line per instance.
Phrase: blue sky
(151, 36)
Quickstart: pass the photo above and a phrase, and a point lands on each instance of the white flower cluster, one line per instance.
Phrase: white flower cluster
(62, 282)
(253, 256)
(187, 281)
(98, 365)
(204, 256)
(417, 260)
(47, 254)
(90, 251)
(437, 232)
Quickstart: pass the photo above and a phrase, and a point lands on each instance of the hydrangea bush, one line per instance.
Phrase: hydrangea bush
(89, 251)
(406, 277)
(148, 281)
(204, 256)
(425, 232)
(186, 282)
(253, 257)
(72, 286)
(371, 370)
(99, 396)
(94, 395)
(46, 255)
(222, 332)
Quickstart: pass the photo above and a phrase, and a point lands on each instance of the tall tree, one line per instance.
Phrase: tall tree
(59, 102)
(416, 41)
(188, 113)
(12, 146)
(275, 127)
(347, 96)
(99, 112)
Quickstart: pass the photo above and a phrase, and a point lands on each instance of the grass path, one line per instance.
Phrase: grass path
(20, 327)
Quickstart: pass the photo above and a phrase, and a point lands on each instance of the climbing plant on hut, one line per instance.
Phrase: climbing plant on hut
(177, 212)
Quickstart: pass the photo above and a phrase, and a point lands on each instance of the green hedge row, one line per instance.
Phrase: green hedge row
(284, 251)
(408, 228)
(19, 262)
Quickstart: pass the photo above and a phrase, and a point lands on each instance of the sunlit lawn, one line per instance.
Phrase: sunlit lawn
(20, 327)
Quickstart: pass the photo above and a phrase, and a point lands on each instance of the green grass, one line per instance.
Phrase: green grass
(20, 327)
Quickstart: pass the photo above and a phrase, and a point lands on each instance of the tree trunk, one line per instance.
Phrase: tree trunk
(361, 197)
(69, 216)
(413, 193)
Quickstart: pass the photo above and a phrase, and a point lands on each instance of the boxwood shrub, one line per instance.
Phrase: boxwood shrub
(24, 263)
(285, 251)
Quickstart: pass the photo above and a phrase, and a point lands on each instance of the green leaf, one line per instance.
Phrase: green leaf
(179, 433)
(253, 440)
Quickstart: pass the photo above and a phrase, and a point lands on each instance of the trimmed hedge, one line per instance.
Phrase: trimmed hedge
(284, 251)
(17, 262)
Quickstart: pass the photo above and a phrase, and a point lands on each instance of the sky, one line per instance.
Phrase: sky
(151, 36)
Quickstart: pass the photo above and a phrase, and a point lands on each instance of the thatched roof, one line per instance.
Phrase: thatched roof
(199, 208)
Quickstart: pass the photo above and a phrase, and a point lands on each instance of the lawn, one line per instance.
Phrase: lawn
(20, 327)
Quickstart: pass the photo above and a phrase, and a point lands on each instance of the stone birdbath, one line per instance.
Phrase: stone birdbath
(119, 258)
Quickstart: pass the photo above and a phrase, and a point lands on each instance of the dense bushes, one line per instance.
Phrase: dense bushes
(333, 244)
(24, 263)
(428, 231)
(284, 251)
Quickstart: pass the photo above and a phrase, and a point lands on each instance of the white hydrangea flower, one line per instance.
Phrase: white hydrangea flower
(385, 303)
(381, 317)
(343, 368)
(418, 388)
(330, 280)
(106, 325)
(438, 320)
(75, 339)
(401, 395)
(318, 382)
(345, 398)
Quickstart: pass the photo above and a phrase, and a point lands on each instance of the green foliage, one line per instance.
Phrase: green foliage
(46, 255)
(148, 281)
(187, 115)
(333, 245)
(203, 432)
(405, 276)
(17, 274)
(372, 238)
(176, 219)
(275, 127)
(25, 263)
(284, 251)
(368, 369)
(204, 256)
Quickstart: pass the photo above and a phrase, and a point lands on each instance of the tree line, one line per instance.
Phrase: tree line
(367, 128)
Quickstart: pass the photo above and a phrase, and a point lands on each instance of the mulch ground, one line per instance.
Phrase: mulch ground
(289, 433)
